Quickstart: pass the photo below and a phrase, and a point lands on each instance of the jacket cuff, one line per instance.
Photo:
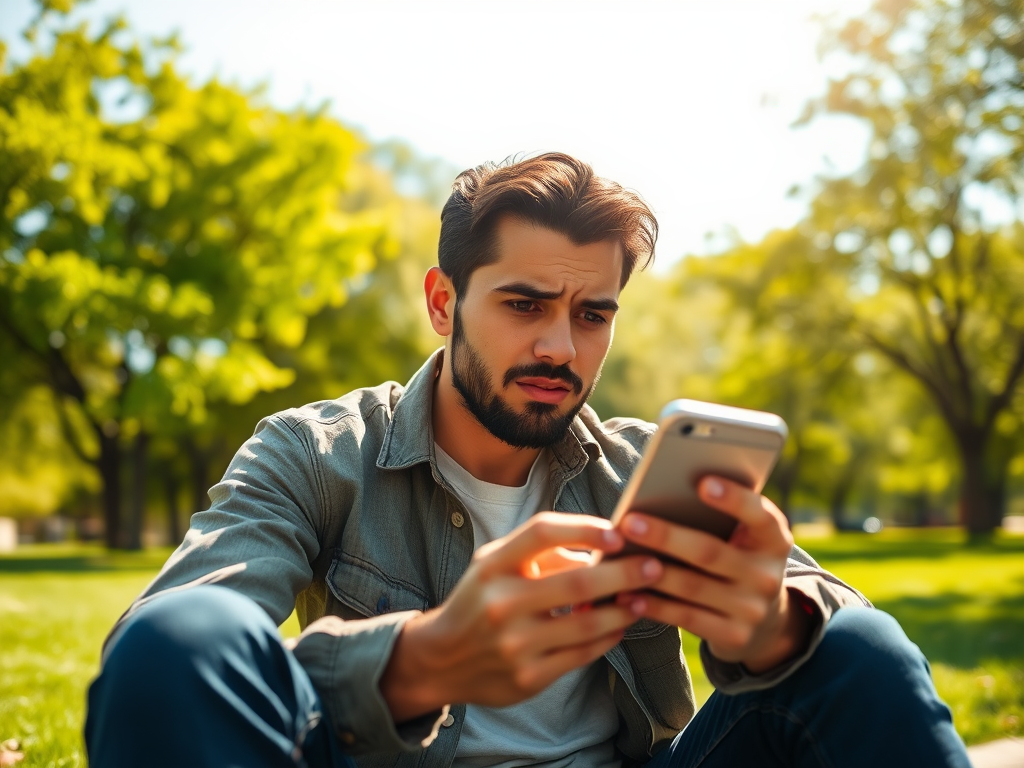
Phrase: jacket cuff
(345, 661)
(821, 597)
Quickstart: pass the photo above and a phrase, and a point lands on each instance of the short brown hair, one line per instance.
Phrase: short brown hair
(554, 191)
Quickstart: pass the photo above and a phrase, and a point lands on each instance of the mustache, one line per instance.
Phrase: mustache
(546, 371)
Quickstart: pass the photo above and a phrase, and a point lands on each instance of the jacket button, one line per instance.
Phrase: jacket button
(348, 738)
(457, 519)
(448, 721)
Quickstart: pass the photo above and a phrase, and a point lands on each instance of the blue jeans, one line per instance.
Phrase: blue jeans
(200, 678)
(865, 699)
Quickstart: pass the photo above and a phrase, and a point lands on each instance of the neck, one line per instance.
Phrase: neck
(469, 442)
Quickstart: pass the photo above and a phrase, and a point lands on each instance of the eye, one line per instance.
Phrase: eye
(522, 306)
(593, 318)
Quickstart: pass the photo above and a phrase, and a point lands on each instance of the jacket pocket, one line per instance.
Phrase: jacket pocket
(364, 588)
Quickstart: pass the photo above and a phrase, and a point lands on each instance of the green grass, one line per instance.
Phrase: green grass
(56, 606)
(963, 605)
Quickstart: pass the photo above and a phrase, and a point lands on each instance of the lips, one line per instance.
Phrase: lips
(544, 390)
(542, 383)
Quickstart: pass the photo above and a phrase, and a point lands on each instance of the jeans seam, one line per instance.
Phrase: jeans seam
(777, 710)
(312, 721)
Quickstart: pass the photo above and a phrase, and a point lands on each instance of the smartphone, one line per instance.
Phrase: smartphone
(695, 439)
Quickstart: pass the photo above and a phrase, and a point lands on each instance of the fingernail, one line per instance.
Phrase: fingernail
(636, 525)
(714, 488)
(612, 538)
(638, 606)
(651, 568)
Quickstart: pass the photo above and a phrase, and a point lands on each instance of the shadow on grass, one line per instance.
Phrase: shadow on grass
(963, 630)
(64, 559)
(857, 546)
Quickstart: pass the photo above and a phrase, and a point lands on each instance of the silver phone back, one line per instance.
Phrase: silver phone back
(695, 439)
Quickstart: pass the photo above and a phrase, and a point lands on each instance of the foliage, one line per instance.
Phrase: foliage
(888, 327)
(178, 260)
(926, 234)
(755, 327)
(166, 249)
(43, 472)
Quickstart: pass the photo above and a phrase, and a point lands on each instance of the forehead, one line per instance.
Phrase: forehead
(548, 259)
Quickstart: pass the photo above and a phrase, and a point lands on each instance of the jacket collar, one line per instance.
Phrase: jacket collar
(409, 438)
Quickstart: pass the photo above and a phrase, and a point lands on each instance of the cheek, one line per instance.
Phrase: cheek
(502, 344)
(592, 348)
(594, 344)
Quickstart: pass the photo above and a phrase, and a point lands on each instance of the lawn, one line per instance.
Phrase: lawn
(963, 606)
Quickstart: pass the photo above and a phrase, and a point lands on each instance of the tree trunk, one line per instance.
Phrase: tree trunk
(997, 496)
(172, 488)
(784, 479)
(919, 510)
(841, 490)
(980, 489)
(200, 477)
(837, 503)
(138, 509)
(110, 472)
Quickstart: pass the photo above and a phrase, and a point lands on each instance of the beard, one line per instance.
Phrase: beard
(540, 425)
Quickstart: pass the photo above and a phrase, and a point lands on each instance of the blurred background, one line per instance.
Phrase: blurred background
(213, 210)
(210, 211)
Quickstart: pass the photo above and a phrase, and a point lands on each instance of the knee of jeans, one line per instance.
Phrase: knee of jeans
(871, 644)
(189, 624)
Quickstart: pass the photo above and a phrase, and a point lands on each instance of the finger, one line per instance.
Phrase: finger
(549, 668)
(544, 531)
(721, 631)
(583, 585)
(551, 634)
(742, 602)
(688, 545)
(759, 515)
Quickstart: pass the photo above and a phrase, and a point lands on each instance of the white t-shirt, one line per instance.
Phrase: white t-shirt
(573, 722)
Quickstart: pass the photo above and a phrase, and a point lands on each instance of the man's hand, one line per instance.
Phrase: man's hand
(504, 635)
(733, 596)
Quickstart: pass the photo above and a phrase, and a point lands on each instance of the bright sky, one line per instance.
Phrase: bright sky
(689, 103)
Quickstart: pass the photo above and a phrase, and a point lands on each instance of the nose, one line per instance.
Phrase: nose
(555, 343)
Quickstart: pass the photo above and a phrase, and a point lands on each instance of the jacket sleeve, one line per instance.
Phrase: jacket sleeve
(260, 537)
(817, 588)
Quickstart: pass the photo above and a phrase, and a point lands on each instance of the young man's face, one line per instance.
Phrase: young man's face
(532, 331)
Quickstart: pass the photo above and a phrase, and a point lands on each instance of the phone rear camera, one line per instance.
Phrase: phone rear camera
(687, 429)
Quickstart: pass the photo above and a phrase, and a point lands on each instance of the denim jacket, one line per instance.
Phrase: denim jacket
(337, 509)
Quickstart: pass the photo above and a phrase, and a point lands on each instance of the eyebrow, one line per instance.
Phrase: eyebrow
(533, 292)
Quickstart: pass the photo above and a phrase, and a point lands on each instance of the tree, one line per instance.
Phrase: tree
(742, 328)
(157, 237)
(757, 326)
(927, 231)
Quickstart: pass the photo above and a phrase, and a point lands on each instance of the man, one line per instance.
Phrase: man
(408, 528)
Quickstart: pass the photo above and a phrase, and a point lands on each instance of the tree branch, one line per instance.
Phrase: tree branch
(5, 194)
(70, 433)
(904, 362)
(940, 360)
(1013, 376)
(62, 379)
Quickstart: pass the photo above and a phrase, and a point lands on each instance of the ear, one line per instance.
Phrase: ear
(440, 296)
